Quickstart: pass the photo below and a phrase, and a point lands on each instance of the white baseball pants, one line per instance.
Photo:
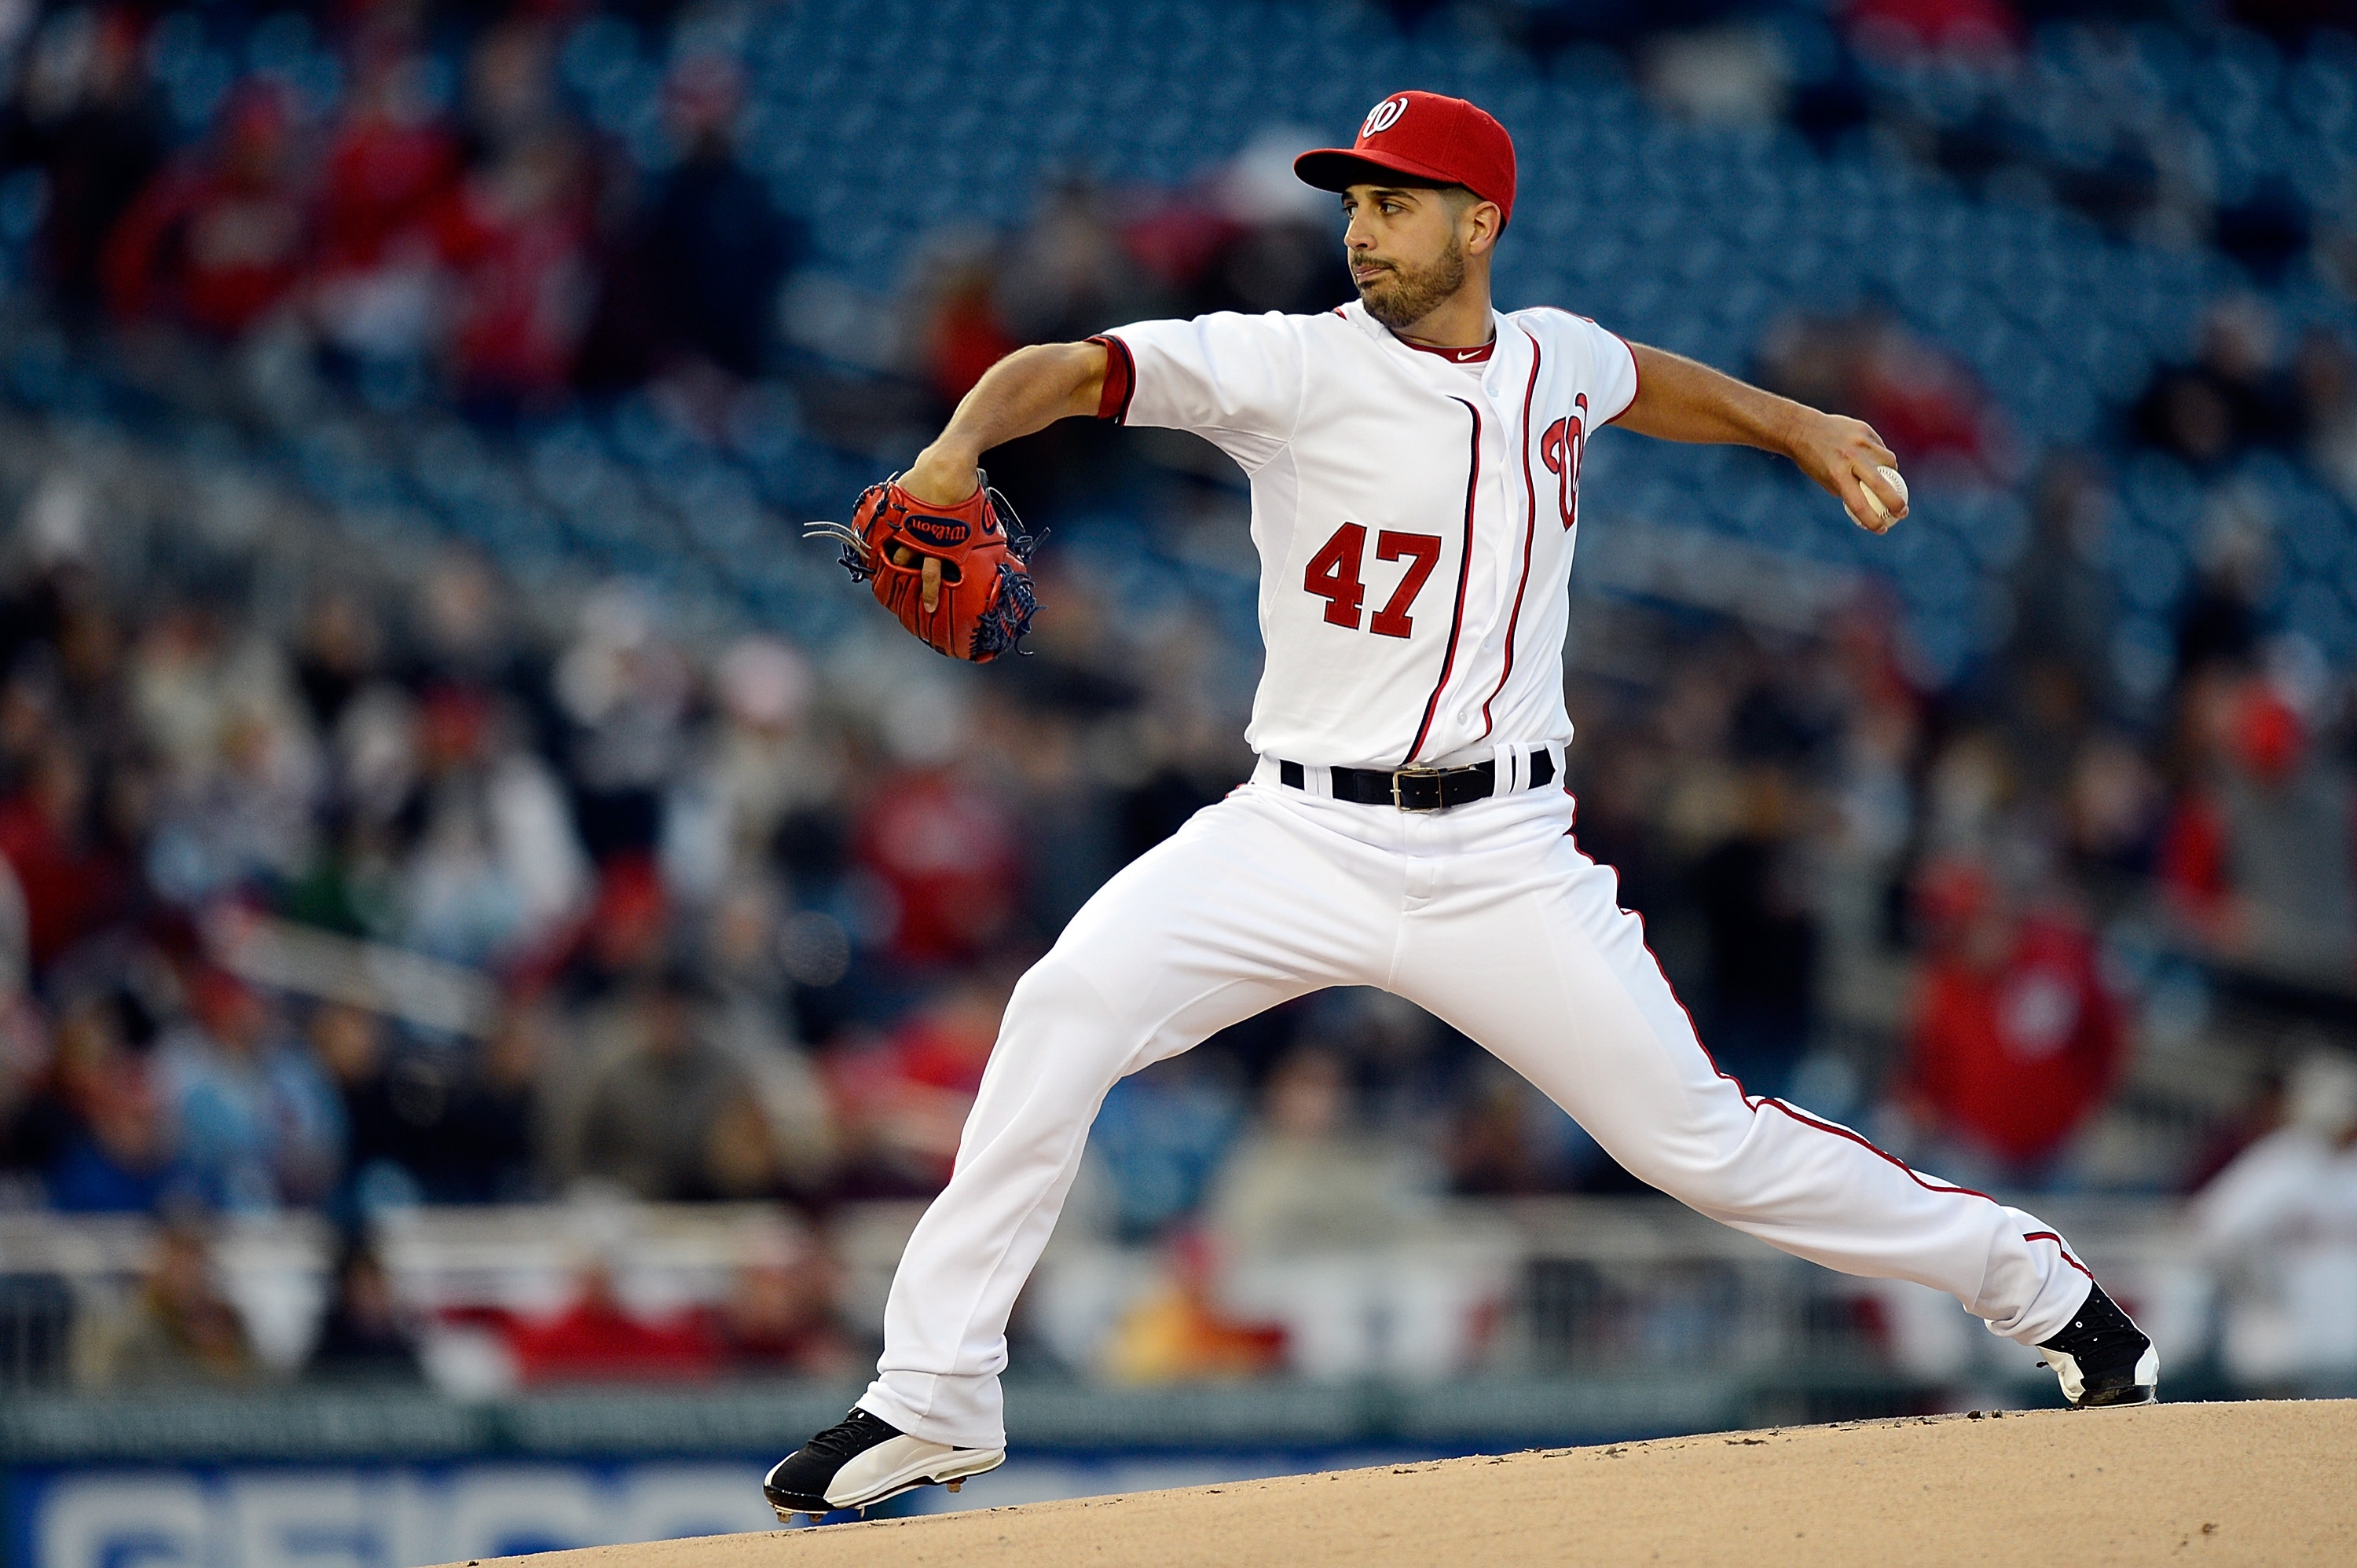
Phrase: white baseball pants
(1488, 917)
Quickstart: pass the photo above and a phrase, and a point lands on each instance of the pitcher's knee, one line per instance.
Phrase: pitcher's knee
(1050, 991)
(1715, 1190)
(1057, 1012)
(1716, 1169)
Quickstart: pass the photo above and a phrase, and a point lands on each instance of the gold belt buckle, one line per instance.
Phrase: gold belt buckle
(1398, 774)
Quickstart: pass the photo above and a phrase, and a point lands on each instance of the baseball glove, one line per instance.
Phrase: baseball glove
(983, 603)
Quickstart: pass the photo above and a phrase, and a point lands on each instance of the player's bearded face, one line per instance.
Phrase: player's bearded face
(1401, 292)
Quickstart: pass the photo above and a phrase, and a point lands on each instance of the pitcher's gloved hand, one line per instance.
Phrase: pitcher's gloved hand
(956, 577)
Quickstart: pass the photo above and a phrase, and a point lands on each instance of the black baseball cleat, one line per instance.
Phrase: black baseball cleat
(2103, 1358)
(862, 1460)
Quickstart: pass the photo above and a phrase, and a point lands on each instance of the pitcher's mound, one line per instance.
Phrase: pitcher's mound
(2273, 1483)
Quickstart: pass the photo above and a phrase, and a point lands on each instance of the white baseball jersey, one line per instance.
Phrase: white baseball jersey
(1415, 510)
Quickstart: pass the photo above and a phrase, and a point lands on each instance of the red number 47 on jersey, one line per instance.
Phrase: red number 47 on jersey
(1333, 574)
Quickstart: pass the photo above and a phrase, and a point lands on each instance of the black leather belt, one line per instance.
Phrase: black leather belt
(1417, 788)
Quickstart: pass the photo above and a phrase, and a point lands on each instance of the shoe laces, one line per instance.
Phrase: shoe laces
(854, 1434)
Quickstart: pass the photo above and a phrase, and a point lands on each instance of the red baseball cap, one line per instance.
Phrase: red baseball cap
(1430, 139)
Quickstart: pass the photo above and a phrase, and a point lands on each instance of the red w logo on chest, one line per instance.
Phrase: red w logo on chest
(1561, 448)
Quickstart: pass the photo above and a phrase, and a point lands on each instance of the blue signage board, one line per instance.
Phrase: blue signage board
(404, 1514)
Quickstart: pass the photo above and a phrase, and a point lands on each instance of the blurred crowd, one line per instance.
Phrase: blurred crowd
(414, 201)
(747, 906)
(748, 924)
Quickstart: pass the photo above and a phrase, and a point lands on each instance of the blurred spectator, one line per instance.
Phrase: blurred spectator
(378, 287)
(66, 881)
(467, 634)
(1763, 939)
(509, 89)
(28, 1057)
(1188, 764)
(364, 1338)
(83, 113)
(494, 1143)
(2014, 1039)
(779, 1319)
(99, 1134)
(256, 1117)
(240, 772)
(1275, 249)
(245, 815)
(351, 1045)
(759, 766)
(219, 238)
(1180, 1332)
(749, 1016)
(2235, 395)
(497, 869)
(1304, 1179)
(1506, 1139)
(177, 1330)
(1918, 397)
(1978, 29)
(670, 1114)
(1161, 1135)
(2258, 850)
(391, 158)
(940, 851)
(425, 1124)
(120, 1158)
(2284, 1215)
(2113, 799)
(625, 936)
(625, 691)
(597, 1339)
(903, 1101)
(514, 235)
(693, 281)
(1068, 273)
(2064, 598)
(2326, 373)
(1333, 1234)
(340, 648)
(961, 336)
(2219, 624)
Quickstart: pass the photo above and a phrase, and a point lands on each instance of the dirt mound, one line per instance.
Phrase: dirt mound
(2273, 1483)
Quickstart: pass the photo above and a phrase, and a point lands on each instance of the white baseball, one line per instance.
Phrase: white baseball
(1883, 514)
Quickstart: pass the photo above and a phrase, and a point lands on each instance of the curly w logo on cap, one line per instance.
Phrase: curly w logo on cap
(1421, 138)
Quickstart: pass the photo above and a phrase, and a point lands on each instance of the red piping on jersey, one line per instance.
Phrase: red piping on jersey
(2049, 1236)
(1463, 570)
(1530, 534)
(1120, 380)
(1755, 1102)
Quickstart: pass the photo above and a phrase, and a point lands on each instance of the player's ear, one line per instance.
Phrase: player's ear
(1478, 225)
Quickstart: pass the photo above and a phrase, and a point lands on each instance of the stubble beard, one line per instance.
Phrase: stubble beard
(1400, 297)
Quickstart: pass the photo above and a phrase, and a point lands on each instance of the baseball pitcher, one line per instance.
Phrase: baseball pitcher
(1414, 462)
